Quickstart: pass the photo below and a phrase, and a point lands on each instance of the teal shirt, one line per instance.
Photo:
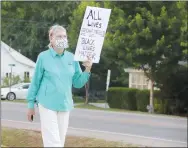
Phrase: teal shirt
(52, 82)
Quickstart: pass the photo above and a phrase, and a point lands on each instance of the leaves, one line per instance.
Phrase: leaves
(25, 24)
(138, 34)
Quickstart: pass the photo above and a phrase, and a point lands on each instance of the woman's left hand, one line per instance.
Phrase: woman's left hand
(87, 64)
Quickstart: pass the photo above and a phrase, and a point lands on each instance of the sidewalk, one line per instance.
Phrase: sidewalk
(101, 105)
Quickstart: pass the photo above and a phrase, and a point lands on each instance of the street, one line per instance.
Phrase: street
(143, 129)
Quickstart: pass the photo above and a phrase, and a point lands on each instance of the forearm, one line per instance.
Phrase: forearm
(32, 93)
(81, 79)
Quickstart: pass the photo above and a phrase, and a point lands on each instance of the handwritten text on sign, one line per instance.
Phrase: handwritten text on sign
(92, 34)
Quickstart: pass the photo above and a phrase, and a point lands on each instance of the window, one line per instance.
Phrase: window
(139, 86)
(145, 81)
(25, 86)
(26, 74)
(133, 81)
(16, 85)
(7, 75)
(145, 87)
(139, 81)
(133, 86)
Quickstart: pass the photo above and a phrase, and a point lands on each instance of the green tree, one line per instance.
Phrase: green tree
(14, 80)
(74, 30)
(25, 24)
(26, 80)
(100, 70)
(149, 36)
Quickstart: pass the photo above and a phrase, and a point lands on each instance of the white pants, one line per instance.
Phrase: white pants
(54, 127)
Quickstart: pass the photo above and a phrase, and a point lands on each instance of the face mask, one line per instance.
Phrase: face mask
(61, 44)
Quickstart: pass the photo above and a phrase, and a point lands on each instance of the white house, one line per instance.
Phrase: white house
(23, 66)
(137, 79)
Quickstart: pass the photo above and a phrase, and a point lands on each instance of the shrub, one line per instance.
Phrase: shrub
(123, 98)
(13, 80)
(78, 99)
(160, 105)
(134, 99)
(142, 100)
(26, 80)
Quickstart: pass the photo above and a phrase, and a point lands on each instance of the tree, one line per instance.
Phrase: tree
(74, 30)
(149, 36)
(87, 92)
(7, 81)
(25, 24)
(99, 71)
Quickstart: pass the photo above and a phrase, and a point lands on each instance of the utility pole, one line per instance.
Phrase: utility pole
(107, 86)
(10, 82)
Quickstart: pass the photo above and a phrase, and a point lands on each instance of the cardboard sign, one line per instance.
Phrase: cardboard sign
(92, 34)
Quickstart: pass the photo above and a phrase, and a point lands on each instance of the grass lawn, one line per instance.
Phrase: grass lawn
(17, 101)
(26, 138)
(80, 101)
(92, 107)
(88, 106)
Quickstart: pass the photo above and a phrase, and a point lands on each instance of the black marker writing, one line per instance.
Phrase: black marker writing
(98, 32)
(91, 35)
(82, 34)
(92, 32)
(89, 32)
(87, 54)
(87, 41)
(88, 48)
(94, 24)
(93, 15)
(95, 19)
(86, 30)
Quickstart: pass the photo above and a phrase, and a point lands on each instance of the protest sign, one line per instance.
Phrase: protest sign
(92, 34)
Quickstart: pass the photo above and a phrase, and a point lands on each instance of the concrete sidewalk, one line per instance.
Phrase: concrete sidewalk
(101, 105)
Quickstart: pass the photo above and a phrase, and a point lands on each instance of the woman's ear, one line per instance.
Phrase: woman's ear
(50, 37)
(51, 40)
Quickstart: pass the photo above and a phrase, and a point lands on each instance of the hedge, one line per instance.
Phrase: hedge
(123, 98)
(78, 99)
(142, 100)
(135, 99)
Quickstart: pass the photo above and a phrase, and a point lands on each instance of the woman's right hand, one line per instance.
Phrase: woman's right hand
(31, 112)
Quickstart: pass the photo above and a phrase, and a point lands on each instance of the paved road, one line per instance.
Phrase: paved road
(149, 130)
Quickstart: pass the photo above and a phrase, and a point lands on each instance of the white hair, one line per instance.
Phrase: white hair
(53, 29)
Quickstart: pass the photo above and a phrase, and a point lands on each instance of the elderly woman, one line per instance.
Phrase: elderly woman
(51, 87)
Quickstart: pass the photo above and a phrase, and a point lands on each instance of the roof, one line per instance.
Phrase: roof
(17, 56)
(133, 70)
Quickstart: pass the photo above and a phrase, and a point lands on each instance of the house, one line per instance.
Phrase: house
(137, 79)
(12, 60)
